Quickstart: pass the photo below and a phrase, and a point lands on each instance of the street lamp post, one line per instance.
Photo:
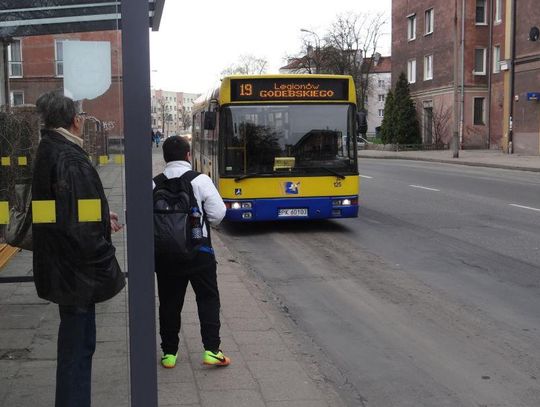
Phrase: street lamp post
(316, 52)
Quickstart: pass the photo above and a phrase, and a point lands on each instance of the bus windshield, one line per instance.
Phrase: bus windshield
(284, 139)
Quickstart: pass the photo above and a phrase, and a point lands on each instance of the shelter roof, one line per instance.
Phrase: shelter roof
(21, 18)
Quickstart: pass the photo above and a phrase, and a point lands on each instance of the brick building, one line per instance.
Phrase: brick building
(35, 66)
(526, 92)
(451, 56)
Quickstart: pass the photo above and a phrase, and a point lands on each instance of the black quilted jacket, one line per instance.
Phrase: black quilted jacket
(74, 262)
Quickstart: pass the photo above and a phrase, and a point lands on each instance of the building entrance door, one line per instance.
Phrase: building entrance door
(428, 125)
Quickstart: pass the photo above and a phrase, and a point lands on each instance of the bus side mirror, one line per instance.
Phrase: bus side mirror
(210, 119)
(361, 121)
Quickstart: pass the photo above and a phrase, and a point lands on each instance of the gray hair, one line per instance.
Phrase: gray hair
(56, 110)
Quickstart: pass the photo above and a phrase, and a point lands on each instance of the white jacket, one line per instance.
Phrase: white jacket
(204, 191)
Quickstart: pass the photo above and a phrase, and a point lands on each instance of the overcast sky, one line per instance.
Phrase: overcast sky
(198, 39)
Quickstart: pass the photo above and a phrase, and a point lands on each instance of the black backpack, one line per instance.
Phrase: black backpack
(173, 203)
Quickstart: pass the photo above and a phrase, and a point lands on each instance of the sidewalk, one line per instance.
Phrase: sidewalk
(271, 364)
(478, 158)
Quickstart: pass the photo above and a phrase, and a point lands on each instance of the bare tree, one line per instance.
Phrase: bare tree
(185, 117)
(247, 65)
(311, 58)
(441, 119)
(348, 48)
(161, 104)
(354, 38)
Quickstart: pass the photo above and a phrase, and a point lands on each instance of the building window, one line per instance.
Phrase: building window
(428, 67)
(15, 59)
(59, 57)
(498, 11)
(381, 112)
(381, 83)
(17, 97)
(411, 27)
(480, 61)
(481, 12)
(381, 98)
(496, 59)
(429, 21)
(411, 70)
(479, 119)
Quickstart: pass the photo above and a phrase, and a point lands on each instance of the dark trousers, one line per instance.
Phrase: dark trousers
(173, 278)
(76, 346)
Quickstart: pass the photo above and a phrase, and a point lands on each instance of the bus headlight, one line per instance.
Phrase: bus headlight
(344, 202)
(239, 205)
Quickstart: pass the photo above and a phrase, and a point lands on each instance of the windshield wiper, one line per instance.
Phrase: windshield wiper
(250, 175)
(331, 171)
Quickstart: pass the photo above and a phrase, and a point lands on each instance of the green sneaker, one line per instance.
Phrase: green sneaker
(168, 361)
(215, 358)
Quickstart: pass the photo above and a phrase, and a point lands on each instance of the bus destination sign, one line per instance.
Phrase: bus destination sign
(282, 89)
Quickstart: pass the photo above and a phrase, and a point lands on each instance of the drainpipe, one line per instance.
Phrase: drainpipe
(5, 65)
(512, 78)
(455, 136)
(490, 72)
(462, 101)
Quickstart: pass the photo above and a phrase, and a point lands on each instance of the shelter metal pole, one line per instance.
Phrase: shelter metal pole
(140, 249)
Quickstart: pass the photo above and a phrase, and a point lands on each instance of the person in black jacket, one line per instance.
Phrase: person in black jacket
(74, 261)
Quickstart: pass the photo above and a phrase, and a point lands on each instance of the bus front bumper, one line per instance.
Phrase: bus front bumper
(249, 210)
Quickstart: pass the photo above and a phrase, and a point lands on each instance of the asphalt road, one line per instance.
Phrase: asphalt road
(430, 298)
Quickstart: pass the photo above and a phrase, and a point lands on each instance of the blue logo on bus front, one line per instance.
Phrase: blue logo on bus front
(292, 187)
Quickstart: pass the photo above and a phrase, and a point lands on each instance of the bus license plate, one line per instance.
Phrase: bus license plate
(282, 213)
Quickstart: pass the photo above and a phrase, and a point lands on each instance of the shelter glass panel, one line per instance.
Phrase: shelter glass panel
(67, 159)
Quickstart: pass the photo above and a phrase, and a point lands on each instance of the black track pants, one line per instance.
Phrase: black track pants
(173, 278)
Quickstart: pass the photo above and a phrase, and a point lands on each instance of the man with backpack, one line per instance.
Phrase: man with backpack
(186, 203)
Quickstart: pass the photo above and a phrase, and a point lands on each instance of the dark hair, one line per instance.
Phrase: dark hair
(175, 148)
(56, 110)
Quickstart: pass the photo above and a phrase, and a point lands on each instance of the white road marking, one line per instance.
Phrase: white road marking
(525, 207)
(426, 188)
(366, 176)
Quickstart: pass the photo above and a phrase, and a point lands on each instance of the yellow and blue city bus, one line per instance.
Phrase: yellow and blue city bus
(280, 147)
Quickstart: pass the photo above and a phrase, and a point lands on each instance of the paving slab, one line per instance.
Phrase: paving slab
(268, 366)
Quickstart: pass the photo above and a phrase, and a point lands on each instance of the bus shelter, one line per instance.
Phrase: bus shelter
(38, 39)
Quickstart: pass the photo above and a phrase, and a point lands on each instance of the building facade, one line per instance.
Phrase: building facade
(524, 116)
(380, 82)
(451, 53)
(35, 66)
(171, 111)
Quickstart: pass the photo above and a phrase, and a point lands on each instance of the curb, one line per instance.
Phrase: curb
(469, 163)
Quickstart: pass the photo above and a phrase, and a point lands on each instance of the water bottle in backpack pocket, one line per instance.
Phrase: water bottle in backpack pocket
(196, 226)
(177, 218)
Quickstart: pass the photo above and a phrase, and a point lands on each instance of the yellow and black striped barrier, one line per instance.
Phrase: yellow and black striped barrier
(21, 161)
